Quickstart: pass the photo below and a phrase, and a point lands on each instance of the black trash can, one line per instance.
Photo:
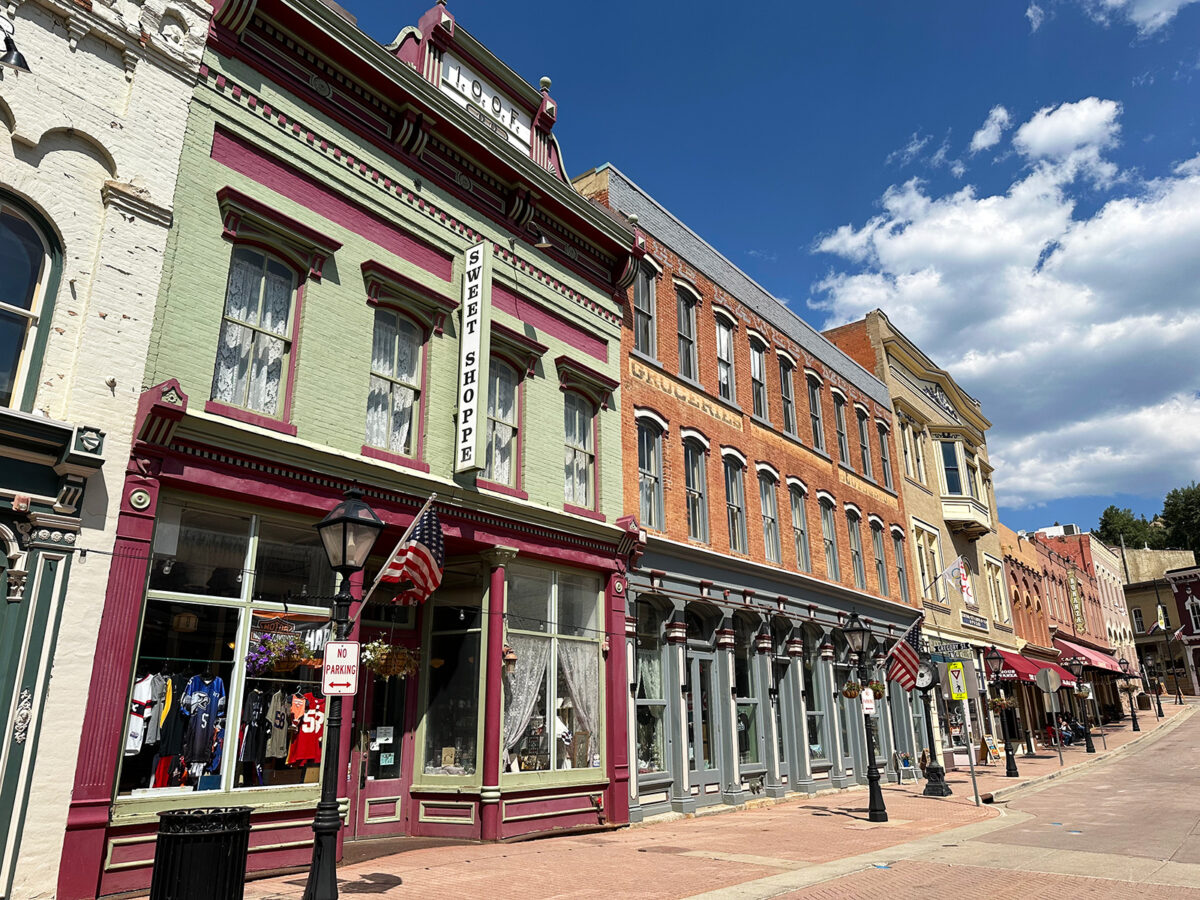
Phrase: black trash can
(201, 854)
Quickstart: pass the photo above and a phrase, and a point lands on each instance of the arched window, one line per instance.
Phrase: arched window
(256, 333)
(28, 276)
(393, 403)
(501, 464)
(579, 461)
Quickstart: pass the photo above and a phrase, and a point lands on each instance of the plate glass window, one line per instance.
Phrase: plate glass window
(500, 465)
(726, 387)
(696, 488)
(758, 377)
(787, 396)
(745, 695)
(770, 517)
(648, 692)
(252, 353)
(735, 505)
(644, 337)
(579, 463)
(25, 264)
(395, 382)
(686, 312)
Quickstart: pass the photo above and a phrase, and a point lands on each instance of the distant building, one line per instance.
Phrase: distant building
(1157, 613)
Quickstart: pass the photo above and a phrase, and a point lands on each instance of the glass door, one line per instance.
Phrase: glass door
(704, 753)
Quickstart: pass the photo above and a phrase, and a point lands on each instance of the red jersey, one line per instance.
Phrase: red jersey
(306, 747)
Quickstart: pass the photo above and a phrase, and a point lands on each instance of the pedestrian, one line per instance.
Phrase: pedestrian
(1064, 732)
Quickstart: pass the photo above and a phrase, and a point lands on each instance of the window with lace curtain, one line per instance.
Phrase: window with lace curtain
(500, 465)
(255, 343)
(579, 462)
(393, 403)
(648, 692)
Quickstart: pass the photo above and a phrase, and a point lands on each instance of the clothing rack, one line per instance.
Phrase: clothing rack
(186, 659)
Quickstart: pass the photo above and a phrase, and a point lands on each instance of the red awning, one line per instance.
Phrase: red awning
(1068, 679)
(1016, 667)
(1094, 658)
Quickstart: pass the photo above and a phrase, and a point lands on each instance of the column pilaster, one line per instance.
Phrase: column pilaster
(497, 558)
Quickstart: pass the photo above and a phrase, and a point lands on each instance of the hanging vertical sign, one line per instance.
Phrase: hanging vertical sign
(472, 368)
(1076, 602)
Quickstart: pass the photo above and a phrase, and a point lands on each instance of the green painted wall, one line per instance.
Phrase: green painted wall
(333, 366)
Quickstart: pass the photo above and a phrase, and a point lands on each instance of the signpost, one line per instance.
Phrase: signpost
(958, 691)
(958, 681)
(339, 672)
(1050, 681)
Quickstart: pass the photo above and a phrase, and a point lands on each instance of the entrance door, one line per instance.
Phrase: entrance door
(704, 747)
(381, 756)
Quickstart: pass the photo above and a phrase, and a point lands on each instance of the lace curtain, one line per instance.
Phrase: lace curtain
(522, 686)
(395, 357)
(502, 417)
(579, 665)
(249, 367)
(649, 674)
(577, 458)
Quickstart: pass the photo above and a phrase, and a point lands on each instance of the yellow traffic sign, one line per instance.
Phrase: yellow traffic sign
(958, 681)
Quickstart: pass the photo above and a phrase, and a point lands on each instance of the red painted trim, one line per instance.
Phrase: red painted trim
(251, 418)
(291, 227)
(616, 800)
(555, 326)
(501, 488)
(492, 706)
(584, 511)
(387, 456)
(263, 168)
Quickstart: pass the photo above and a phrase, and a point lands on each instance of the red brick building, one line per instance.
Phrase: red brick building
(765, 484)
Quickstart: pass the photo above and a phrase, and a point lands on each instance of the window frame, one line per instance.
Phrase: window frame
(927, 544)
(829, 542)
(954, 448)
(697, 493)
(655, 434)
(898, 552)
(657, 617)
(496, 362)
(858, 569)
(725, 325)
(685, 309)
(769, 511)
(735, 506)
(885, 456)
(593, 468)
(758, 383)
(864, 442)
(647, 310)
(816, 418)
(417, 427)
(839, 423)
(27, 371)
(798, 501)
(787, 394)
(880, 551)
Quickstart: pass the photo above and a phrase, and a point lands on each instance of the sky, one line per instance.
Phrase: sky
(1015, 184)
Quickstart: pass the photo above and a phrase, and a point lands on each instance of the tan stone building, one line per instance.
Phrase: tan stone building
(1147, 592)
(946, 482)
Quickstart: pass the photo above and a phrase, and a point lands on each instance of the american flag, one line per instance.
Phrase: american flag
(416, 564)
(904, 657)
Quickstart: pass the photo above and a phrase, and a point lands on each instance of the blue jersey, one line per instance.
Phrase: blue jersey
(203, 703)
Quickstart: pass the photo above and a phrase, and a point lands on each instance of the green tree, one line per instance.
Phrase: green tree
(1138, 532)
(1181, 516)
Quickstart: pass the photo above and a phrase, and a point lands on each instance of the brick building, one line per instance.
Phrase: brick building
(765, 485)
(1155, 590)
(350, 220)
(92, 131)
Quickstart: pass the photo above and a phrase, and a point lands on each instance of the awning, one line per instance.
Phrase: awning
(1016, 667)
(1094, 658)
(1068, 679)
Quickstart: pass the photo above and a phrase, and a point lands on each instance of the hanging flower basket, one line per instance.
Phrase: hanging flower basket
(877, 687)
(277, 653)
(1083, 692)
(999, 704)
(388, 661)
(851, 689)
(1130, 687)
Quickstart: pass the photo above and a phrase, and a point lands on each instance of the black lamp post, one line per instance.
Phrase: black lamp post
(1124, 663)
(12, 58)
(995, 664)
(348, 533)
(858, 636)
(1076, 664)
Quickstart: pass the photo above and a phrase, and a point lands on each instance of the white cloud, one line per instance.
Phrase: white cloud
(1147, 16)
(1036, 15)
(989, 133)
(909, 151)
(1077, 333)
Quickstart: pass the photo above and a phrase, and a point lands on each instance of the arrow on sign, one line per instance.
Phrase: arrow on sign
(341, 684)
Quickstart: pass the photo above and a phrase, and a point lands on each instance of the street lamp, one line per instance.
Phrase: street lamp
(1124, 664)
(1076, 664)
(858, 635)
(348, 532)
(995, 664)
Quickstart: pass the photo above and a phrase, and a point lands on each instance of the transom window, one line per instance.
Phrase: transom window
(644, 333)
(800, 528)
(770, 516)
(726, 386)
(394, 397)
(25, 268)
(579, 460)
(686, 309)
(650, 476)
(758, 378)
(787, 396)
(252, 353)
(735, 505)
(829, 538)
(500, 464)
(696, 487)
(814, 412)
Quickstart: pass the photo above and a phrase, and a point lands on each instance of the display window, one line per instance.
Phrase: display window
(451, 720)
(745, 691)
(226, 688)
(648, 692)
(816, 704)
(552, 699)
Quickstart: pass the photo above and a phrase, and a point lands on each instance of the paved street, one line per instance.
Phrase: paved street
(1115, 828)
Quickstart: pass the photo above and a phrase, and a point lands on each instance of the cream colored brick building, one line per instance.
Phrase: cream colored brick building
(90, 139)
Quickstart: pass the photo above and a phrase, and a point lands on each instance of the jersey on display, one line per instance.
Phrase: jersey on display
(203, 703)
(306, 748)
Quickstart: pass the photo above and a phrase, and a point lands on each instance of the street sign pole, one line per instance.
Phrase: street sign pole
(957, 675)
(970, 749)
(1050, 681)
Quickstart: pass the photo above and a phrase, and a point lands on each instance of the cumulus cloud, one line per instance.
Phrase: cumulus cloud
(1076, 332)
(1147, 16)
(1036, 15)
(990, 132)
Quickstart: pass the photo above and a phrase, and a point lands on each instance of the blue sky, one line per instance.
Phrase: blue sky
(1016, 184)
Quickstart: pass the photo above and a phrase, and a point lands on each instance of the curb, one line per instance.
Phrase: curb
(1006, 793)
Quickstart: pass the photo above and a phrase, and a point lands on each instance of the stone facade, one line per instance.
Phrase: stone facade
(93, 136)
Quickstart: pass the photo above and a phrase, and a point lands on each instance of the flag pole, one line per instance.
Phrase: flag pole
(400, 543)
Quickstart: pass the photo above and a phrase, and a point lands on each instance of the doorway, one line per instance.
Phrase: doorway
(704, 745)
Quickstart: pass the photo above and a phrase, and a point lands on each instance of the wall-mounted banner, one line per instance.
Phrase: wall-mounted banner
(472, 367)
(1076, 603)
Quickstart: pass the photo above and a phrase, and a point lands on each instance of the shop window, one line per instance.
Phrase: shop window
(695, 462)
(880, 558)
(885, 458)
(452, 689)
(829, 539)
(814, 412)
(26, 261)
(779, 668)
(223, 694)
(552, 713)
(758, 377)
(787, 395)
(864, 442)
(650, 490)
(839, 421)
(745, 683)
(393, 402)
(685, 305)
(255, 344)
(501, 463)
(648, 692)
(799, 502)
(816, 704)
(645, 338)
(579, 461)
(770, 516)
(901, 571)
(735, 504)
(854, 528)
(726, 383)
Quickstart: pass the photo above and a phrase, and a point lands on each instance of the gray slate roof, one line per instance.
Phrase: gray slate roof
(628, 198)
